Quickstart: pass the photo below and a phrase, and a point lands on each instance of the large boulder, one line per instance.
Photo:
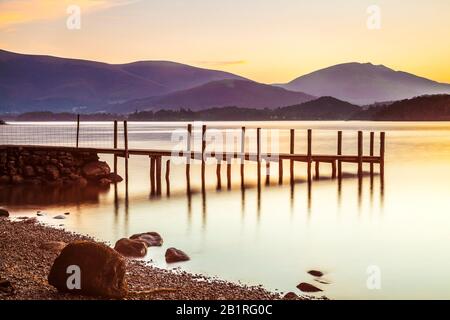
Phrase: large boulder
(131, 248)
(96, 170)
(102, 270)
(151, 239)
(4, 213)
(54, 246)
(176, 255)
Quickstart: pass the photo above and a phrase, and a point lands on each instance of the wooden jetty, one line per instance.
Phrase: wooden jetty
(156, 157)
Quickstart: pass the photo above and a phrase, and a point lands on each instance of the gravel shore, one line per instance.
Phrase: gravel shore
(26, 266)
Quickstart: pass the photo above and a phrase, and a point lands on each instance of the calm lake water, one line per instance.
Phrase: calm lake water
(274, 234)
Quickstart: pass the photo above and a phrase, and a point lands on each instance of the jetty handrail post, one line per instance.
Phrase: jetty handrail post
(258, 155)
(242, 153)
(115, 145)
(339, 152)
(291, 151)
(309, 154)
(78, 130)
(125, 136)
(360, 153)
(372, 142)
(188, 149)
(382, 152)
(203, 153)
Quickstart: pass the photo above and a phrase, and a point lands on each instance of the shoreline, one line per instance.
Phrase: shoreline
(26, 265)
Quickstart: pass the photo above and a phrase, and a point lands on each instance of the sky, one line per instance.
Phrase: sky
(270, 41)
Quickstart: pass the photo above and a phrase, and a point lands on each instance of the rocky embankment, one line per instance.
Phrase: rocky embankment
(38, 166)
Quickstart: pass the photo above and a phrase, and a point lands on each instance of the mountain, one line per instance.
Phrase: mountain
(33, 82)
(365, 84)
(237, 93)
(323, 108)
(424, 108)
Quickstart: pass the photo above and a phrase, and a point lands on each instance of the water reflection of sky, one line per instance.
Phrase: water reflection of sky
(273, 234)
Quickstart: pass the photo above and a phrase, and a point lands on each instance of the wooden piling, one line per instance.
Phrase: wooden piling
(339, 152)
(317, 169)
(115, 145)
(291, 151)
(372, 145)
(229, 174)
(267, 172)
(78, 130)
(242, 153)
(188, 150)
(168, 178)
(125, 135)
(219, 174)
(158, 175)
(382, 152)
(309, 154)
(258, 144)
(333, 169)
(152, 176)
(280, 171)
(203, 153)
(360, 153)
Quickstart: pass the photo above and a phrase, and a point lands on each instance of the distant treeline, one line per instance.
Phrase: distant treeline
(424, 108)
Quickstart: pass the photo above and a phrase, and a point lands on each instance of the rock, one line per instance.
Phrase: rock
(131, 248)
(151, 239)
(306, 287)
(59, 217)
(290, 296)
(17, 179)
(115, 177)
(96, 170)
(4, 213)
(6, 288)
(315, 273)
(5, 179)
(52, 172)
(28, 171)
(175, 255)
(102, 270)
(40, 214)
(66, 213)
(55, 246)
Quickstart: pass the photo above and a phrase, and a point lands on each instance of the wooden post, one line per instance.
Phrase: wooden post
(291, 151)
(317, 170)
(158, 175)
(267, 172)
(203, 153)
(229, 175)
(339, 152)
(242, 153)
(280, 171)
(152, 175)
(125, 134)
(382, 151)
(188, 149)
(360, 153)
(309, 154)
(78, 130)
(168, 177)
(218, 174)
(333, 169)
(372, 142)
(258, 144)
(115, 145)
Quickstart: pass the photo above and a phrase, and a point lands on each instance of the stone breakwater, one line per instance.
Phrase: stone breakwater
(40, 166)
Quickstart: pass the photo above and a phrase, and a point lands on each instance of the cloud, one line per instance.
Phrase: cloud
(222, 63)
(13, 12)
